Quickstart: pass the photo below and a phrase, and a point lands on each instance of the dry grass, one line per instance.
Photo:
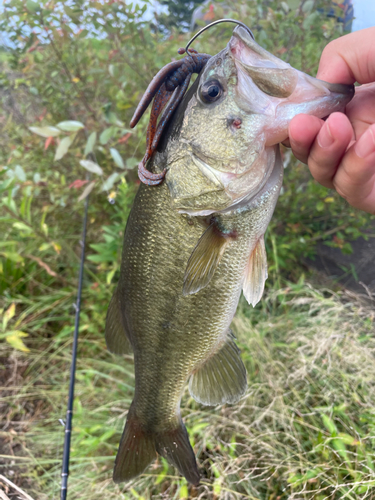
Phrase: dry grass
(304, 430)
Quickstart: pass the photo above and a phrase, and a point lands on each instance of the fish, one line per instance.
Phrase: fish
(194, 242)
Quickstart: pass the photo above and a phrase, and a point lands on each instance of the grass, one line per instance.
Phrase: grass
(304, 430)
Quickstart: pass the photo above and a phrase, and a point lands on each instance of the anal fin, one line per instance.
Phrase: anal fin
(256, 274)
(204, 260)
(222, 379)
(115, 333)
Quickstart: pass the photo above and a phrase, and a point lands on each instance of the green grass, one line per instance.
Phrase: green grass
(304, 430)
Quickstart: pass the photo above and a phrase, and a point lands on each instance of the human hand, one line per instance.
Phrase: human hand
(340, 152)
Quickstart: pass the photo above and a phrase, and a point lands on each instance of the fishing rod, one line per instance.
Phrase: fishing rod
(69, 411)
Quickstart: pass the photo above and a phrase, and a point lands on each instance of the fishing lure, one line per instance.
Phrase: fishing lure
(168, 87)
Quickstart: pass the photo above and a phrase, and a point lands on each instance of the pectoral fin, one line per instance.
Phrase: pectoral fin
(115, 333)
(256, 274)
(222, 379)
(204, 260)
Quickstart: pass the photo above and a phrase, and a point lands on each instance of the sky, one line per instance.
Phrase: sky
(364, 13)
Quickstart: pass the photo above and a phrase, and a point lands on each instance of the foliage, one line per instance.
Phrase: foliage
(179, 14)
(70, 77)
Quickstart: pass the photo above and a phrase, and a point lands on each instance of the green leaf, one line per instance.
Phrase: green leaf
(22, 227)
(310, 20)
(90, 143)
(106, 135)
(14, 339)
(63, 147)
(9, 314)
(46, 131)
(7, 243)
(136, 495)
(117, 158)
(217, 487)
(20, 173)
(340, 447)
(113, 120)
(132, 162)
(108, 184)
(308, 6)
(329, 424)
(293, 4)
(32, 6)
(161, 477)
(7, 183)
(348, 439)
(13, 256)
(184, 492)
(70, 126)
(91, 167)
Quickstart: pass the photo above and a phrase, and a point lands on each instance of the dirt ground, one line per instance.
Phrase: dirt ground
(355, 271)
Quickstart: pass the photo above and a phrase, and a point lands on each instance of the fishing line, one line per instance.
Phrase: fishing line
(69, 411)
(218, 22)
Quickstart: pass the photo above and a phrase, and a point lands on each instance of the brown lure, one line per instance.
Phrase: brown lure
(168, 87)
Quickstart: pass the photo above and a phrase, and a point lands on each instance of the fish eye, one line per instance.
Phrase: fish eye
(211, 91)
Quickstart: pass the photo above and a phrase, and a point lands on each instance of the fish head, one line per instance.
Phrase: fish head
(240, 109)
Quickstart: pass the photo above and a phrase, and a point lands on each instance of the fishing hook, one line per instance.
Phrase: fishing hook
(213, 24)
(168, 87)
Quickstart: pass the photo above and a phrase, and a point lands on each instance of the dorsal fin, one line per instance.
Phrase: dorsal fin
(204, 260)
(256, 273)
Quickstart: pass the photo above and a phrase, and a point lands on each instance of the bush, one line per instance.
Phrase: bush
(71, 76)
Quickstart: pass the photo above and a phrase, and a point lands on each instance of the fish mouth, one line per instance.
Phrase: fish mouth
(271, 87)
(339, 88)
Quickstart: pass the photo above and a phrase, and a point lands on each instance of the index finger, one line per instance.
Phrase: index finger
(349, 59)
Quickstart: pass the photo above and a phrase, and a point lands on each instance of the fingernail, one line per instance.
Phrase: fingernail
(366, 144)
(325, 138)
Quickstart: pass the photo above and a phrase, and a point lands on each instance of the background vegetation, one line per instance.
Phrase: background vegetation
(71, 76)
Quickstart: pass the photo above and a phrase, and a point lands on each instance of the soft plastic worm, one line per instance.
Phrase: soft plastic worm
(168, 87)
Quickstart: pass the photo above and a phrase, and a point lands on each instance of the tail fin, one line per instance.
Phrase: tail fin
(174, 445)
(136, 450)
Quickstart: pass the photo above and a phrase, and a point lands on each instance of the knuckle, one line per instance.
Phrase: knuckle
(342, 192)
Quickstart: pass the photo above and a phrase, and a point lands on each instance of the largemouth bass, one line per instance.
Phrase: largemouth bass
(194, 242)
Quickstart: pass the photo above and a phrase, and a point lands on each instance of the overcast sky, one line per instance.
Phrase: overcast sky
(364, 13)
